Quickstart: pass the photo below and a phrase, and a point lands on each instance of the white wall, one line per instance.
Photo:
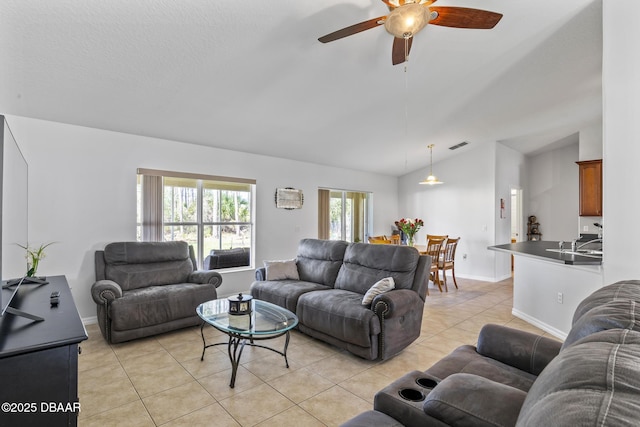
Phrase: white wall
(83, 195)
(552, 192)
(462, 206)
(621, 129)
(510, 173)
(468, 204)
(536, 285)
(590, 141)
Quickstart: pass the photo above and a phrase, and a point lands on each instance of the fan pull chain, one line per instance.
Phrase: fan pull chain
(406, 112)
(406, 53)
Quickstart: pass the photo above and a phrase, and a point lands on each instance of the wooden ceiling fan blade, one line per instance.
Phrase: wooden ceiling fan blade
(398, 54)
(390, 5)
(464, 17)
(353, 29)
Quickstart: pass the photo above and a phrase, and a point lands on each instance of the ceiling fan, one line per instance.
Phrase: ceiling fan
(408, 17)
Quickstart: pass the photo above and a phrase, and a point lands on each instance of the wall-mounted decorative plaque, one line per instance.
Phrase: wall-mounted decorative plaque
(289, 198)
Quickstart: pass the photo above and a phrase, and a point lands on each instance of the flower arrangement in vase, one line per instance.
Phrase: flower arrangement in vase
(34, 256)
(410, 227)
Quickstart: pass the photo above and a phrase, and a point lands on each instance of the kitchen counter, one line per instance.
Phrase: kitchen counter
(548, 286)
(538, 249)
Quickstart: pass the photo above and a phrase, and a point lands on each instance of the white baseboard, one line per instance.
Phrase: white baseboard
(90, 320)
(538, 324)
(483, 278)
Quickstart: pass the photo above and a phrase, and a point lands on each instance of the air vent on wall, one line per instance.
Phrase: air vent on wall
(455, 147)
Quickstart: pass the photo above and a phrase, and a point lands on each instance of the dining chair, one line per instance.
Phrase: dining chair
(379, 240)
(434, 250)
(448, 261)
(395, 239)
(437, 236)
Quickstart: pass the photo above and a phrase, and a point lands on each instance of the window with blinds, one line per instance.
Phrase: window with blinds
(213, 214)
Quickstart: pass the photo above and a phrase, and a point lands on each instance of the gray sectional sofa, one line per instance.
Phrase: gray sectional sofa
(327, 296)
(147, 288)
(517, 378)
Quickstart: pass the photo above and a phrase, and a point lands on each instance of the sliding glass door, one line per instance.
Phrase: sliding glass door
(343, 215)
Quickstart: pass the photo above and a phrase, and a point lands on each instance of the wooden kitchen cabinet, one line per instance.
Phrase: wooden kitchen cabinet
(590, 177)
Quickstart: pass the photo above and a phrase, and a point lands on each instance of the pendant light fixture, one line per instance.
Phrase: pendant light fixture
(431, 179)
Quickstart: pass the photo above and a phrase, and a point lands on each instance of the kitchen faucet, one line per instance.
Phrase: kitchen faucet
(575, 242)
(600, 227)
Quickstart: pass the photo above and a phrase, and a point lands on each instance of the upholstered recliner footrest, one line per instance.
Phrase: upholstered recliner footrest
(155, 305)
(339, 313)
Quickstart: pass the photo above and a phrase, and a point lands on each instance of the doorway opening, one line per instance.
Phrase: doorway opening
(516, 217)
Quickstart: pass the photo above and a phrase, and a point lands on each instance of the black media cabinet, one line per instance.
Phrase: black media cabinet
(39, 360)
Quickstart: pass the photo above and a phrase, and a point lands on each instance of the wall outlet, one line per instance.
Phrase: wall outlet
(585, 228)
(560, 296)
(464, 256)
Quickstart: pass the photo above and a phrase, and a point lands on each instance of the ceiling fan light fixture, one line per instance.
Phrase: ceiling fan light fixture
(431, 179)
(407, 20)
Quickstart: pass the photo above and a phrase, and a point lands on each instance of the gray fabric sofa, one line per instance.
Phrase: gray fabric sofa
(333, 278)
(147, 288)
(227, 258)
(516, 378)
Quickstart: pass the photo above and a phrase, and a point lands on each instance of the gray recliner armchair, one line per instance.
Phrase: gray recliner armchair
(147, 288)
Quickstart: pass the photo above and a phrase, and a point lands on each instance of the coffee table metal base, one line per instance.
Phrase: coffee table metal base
(236, 344)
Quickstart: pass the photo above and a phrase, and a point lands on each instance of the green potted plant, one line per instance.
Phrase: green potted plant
(34, 256)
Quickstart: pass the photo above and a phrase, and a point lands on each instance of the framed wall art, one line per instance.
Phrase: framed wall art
(289, 198)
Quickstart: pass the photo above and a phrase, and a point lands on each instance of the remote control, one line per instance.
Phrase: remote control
(55, 298)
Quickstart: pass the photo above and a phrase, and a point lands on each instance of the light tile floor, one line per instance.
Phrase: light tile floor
(160, 381)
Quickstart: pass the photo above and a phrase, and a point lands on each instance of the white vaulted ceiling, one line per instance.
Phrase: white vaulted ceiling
(251, 76)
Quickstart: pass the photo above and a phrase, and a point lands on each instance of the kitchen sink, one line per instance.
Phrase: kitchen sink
(594, 253)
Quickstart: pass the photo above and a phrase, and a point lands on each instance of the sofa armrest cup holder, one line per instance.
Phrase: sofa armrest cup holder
(414, 395)
(427, 383)
(404, 398)
(411, 394)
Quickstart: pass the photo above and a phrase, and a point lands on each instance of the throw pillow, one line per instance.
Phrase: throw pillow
(281, 270)
(378, 288)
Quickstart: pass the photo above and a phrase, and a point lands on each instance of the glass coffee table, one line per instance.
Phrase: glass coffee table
(266, 321)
